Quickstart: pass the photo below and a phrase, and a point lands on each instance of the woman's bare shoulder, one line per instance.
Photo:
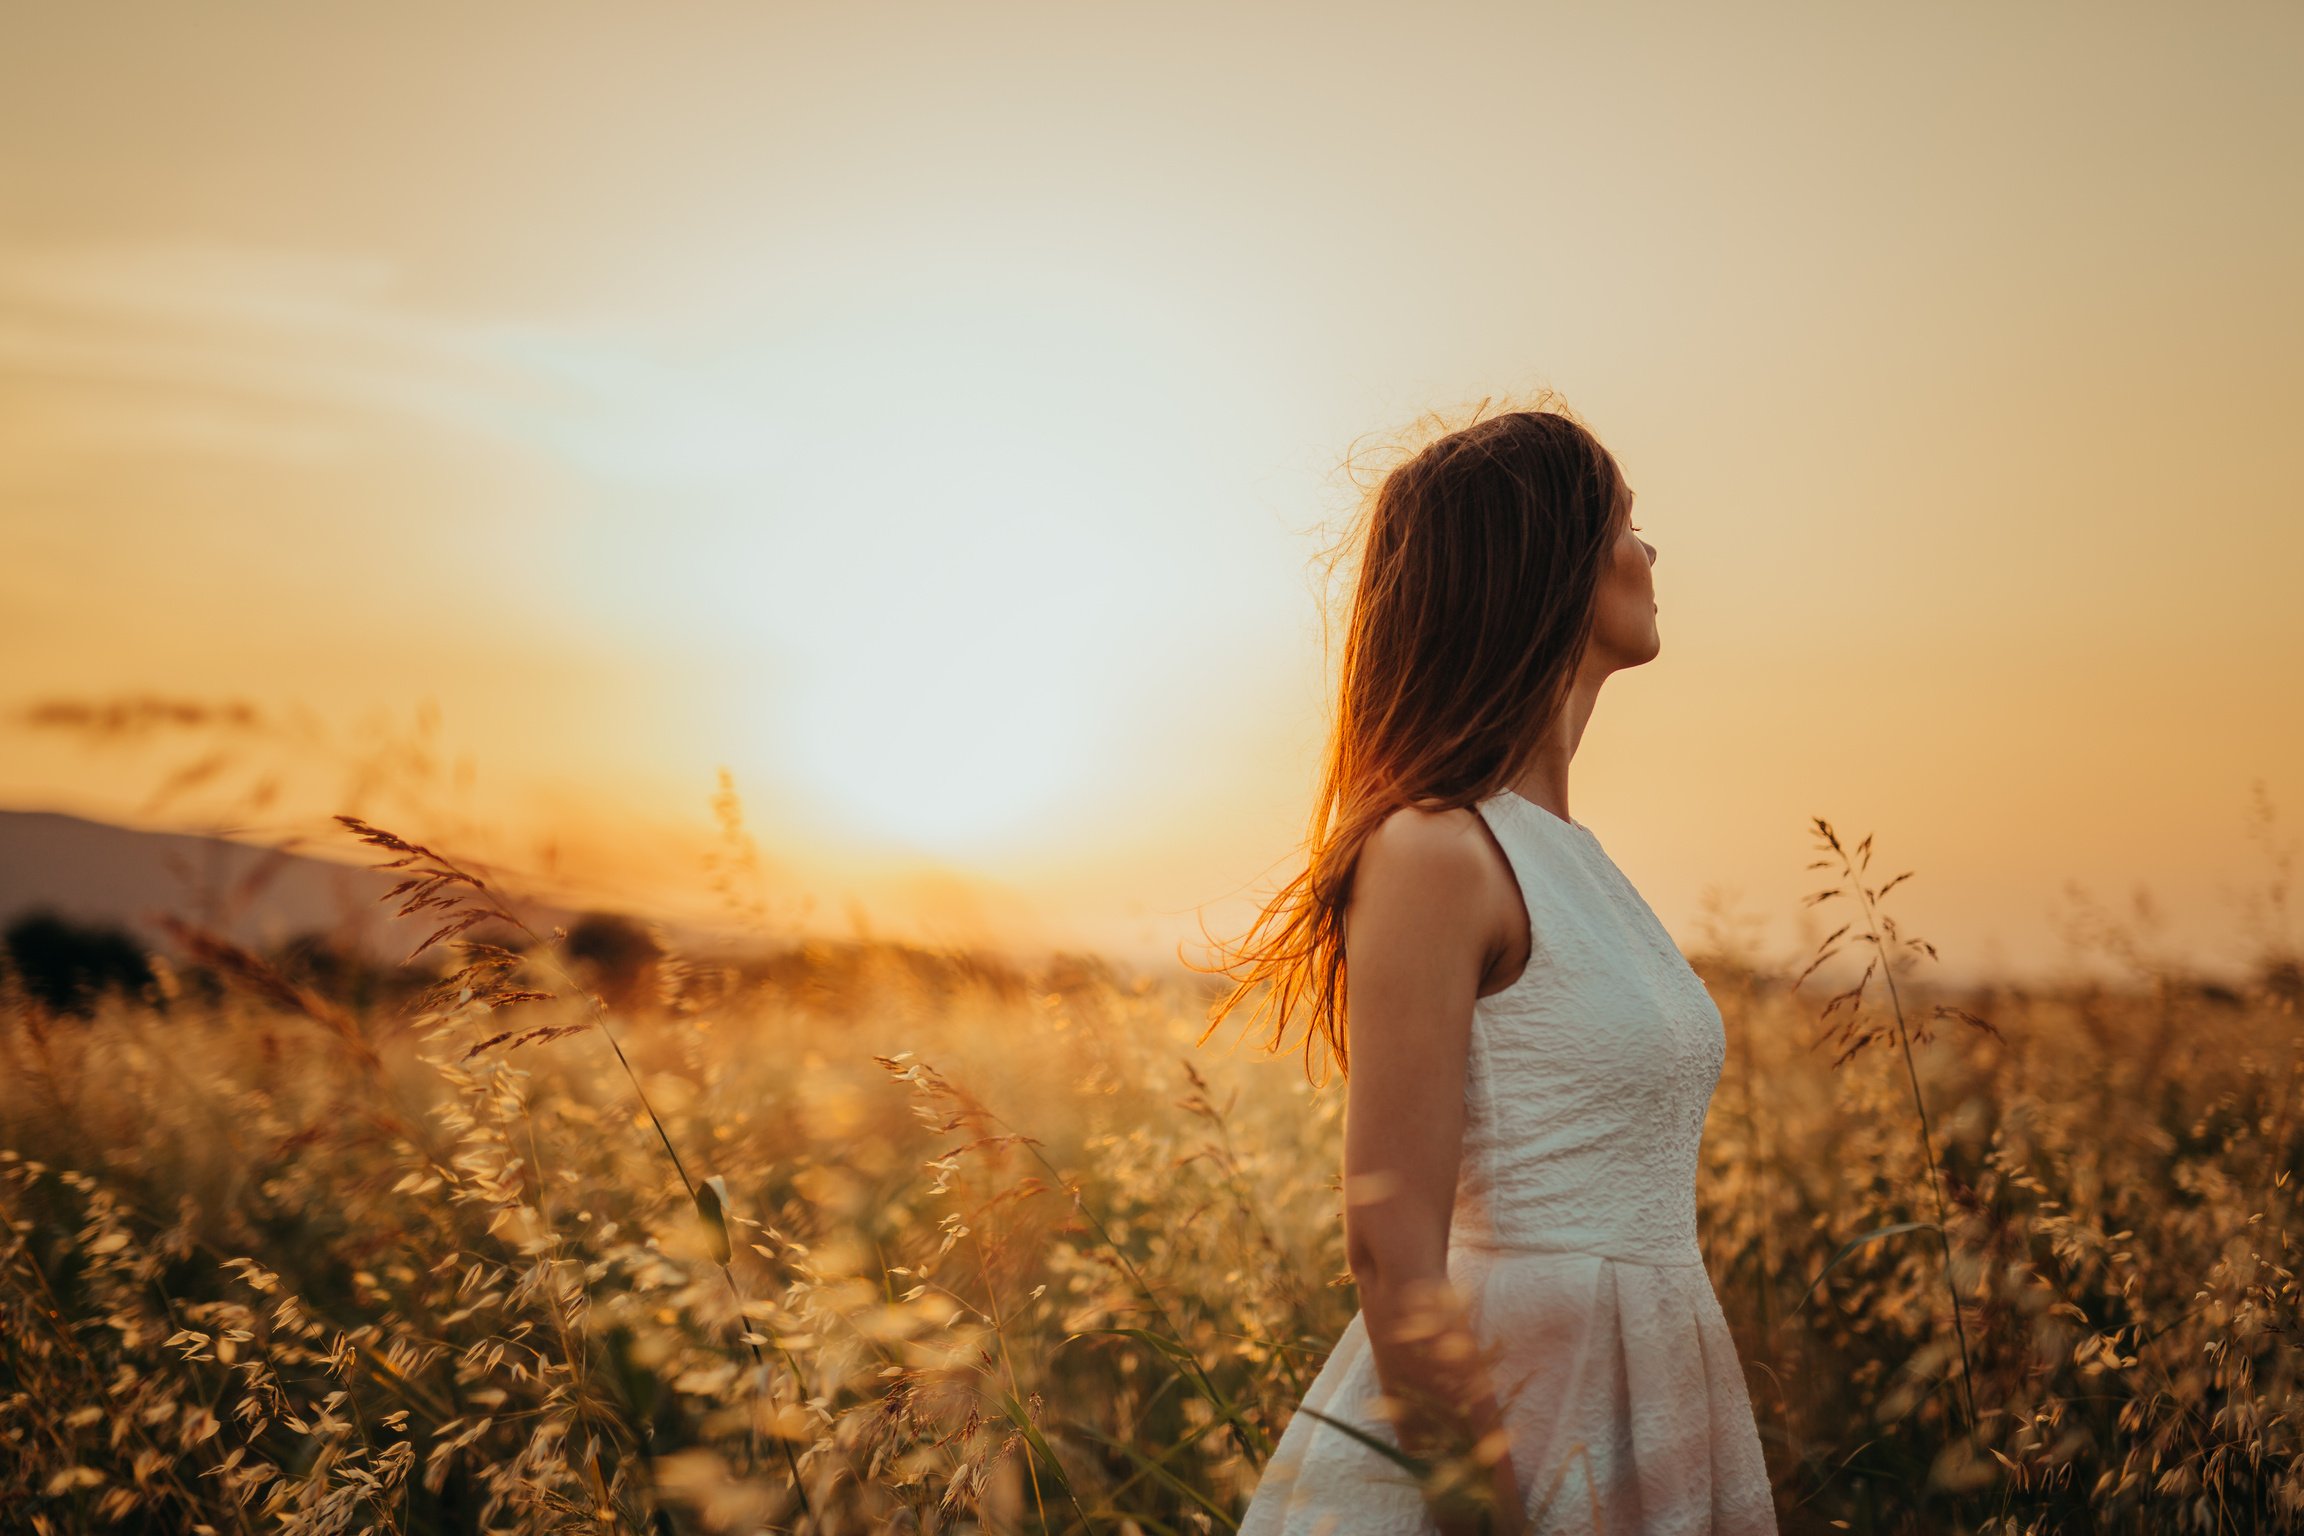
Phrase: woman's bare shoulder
(1440, 864)
(1424, 928)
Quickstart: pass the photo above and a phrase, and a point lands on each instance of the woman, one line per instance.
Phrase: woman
(1527, 1055)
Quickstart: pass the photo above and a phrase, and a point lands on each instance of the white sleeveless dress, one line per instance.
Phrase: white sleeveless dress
(1573, 1240)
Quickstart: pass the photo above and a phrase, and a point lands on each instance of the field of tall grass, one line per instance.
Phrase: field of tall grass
(861, 1238)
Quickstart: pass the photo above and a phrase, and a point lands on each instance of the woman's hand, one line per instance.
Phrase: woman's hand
(1510, 1515)
(1502, 1512)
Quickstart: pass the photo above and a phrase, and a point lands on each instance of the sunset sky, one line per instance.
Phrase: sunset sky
(935, 415)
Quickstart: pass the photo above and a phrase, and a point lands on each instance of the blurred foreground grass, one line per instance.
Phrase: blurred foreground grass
(1010, 1252)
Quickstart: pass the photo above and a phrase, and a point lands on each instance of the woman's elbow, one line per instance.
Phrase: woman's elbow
(1385, 1254)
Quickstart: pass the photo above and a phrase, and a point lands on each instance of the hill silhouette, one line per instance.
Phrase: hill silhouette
(99, 873)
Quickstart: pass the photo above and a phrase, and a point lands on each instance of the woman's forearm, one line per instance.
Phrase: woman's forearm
(1428, 1362)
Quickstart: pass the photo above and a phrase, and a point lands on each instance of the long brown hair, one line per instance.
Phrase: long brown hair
(1478, 561)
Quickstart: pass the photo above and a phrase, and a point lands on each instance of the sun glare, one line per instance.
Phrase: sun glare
(945, 544)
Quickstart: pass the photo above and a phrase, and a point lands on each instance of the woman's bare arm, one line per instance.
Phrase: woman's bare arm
(1418, 936)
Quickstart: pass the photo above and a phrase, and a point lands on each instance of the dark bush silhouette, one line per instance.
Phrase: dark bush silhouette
(339, 972)
(617, 954)
(67, 966)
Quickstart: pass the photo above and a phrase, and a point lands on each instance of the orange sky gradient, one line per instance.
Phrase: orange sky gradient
(935, 415)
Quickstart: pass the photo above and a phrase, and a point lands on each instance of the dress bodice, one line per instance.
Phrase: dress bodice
(1588, 1077)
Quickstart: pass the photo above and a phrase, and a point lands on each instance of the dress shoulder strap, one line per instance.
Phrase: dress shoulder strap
(1517, 829)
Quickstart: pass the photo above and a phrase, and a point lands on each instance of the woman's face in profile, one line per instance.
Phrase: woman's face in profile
(1624, 613)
